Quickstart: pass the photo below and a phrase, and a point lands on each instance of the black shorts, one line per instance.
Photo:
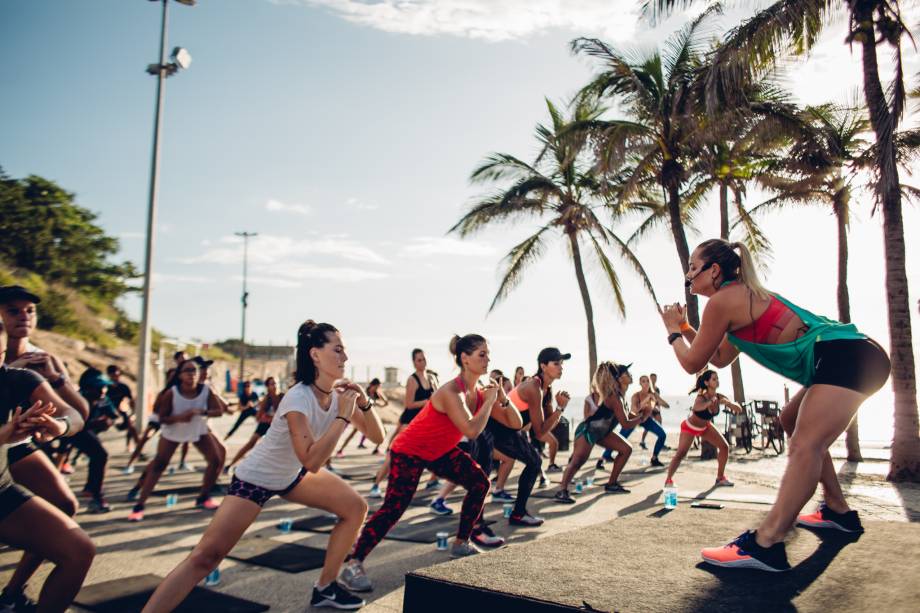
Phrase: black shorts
(14, 454)
(263, 427)
(153, 425)
(857, 364)
(12, 498)
(408, 415)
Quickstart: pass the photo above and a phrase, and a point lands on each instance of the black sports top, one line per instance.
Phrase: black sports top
(420, 392)
(707, 415)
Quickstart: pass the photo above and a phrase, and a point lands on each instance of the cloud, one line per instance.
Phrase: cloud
(444, 245)
(493, 20)
(277, 206)
(273, 249)
(360, 205)
(268, 281)
(342, 274)
(160, 278)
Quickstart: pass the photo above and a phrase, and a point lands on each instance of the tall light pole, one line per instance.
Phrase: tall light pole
(246, 236)
(181, 59)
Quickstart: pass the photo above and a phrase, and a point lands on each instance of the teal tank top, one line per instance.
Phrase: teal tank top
(796, 360)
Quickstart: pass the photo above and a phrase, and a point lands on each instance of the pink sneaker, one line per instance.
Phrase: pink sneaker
(207, 504)
(136, 515)
(67, 468)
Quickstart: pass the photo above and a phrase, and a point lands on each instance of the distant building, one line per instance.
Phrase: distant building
(390, 377)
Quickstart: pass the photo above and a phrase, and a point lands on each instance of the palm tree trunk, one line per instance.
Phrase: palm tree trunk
(905, 446)
(683, 250)
(586, 299)
(737, 381)
(854, 453)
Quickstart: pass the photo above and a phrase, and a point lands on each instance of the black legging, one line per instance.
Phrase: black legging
(250, 412)
(88, 443)
(514, 444)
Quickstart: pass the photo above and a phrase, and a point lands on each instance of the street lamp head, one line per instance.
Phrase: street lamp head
(181, 57)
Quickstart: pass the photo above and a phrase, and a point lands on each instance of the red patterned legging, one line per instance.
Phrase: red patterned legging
(405, 472)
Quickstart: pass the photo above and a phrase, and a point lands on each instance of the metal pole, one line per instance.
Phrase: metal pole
(144, 358)
(246, 236)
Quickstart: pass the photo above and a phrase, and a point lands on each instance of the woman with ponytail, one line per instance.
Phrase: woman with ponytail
(288, 462)
(605, 409)
(699, 423)
(838, 367)
(457, 409)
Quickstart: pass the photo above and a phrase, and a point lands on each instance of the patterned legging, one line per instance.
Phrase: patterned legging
(405, 471)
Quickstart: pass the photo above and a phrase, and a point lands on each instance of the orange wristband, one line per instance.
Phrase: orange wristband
(685, 327)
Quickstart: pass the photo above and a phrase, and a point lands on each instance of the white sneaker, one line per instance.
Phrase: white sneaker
(354, 578)
(375, 492)
(462, 550)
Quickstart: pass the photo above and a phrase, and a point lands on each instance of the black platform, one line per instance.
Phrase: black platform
(650, 561)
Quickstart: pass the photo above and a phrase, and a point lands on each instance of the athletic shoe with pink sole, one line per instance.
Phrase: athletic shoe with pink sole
(825, 518)
(136, 514)
(744, 552)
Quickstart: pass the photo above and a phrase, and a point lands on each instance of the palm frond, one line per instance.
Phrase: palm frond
(521, 255)
(499, 166)
(610, 273)
(630, 257)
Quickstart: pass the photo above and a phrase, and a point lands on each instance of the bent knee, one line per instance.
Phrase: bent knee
(77, 549)
(206, 559)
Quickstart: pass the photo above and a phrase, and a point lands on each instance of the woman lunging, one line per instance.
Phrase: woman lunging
(838, 367)
(288, 462)
(699, 423)
(181, 409)
(604, 409)
(650, 424)
(456, 409)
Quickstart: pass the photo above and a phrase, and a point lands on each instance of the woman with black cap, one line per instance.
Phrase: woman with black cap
(608, 387)
(837, 366)
(531, 397)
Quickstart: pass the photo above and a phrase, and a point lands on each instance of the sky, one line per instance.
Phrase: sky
(344, 132)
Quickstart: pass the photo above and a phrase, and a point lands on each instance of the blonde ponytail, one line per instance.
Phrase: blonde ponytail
(748, 273)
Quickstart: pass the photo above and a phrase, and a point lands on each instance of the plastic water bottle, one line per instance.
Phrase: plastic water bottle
(442, 541)
(213, 578)
(172, 500)
(589, 481)
(670, 497)
(285, 525)
(578, 487)
(506, 510)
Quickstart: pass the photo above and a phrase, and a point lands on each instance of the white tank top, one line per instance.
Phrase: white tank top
(190, 431)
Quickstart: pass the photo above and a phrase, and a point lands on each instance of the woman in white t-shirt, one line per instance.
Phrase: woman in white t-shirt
(304, 431)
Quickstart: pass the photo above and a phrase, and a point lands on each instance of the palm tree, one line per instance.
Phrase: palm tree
(793, 26)
(661, 131)
(819, 168)
(560, 190)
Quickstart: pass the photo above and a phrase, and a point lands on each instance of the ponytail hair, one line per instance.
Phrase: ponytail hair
(310, 335)
(604, 381)
(734, 266)
(464, 344)
(701, 381)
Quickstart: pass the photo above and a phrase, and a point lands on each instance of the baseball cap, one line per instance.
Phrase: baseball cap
(202, 363)
(9, 293)
(620, 369)
(552, 354)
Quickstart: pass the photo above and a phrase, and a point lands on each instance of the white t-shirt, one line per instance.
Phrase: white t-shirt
(272, 463)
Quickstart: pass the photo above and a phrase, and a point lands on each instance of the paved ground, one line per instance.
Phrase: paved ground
(164, 539)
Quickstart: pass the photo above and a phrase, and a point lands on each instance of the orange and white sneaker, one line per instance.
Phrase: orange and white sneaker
(744, 552)
(136, 514)
(824, 517)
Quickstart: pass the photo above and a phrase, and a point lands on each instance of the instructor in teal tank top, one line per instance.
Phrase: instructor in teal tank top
(838, 367)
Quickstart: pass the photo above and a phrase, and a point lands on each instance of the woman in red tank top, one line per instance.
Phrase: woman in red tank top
(456, 410)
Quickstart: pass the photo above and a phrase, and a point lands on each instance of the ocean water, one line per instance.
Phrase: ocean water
(876, 416)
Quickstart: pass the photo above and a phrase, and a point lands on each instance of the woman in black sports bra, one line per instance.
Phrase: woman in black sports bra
(415, 388)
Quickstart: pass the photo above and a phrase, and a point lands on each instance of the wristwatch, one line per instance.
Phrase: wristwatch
(59, 382)
(368, 406)
(673, 336)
